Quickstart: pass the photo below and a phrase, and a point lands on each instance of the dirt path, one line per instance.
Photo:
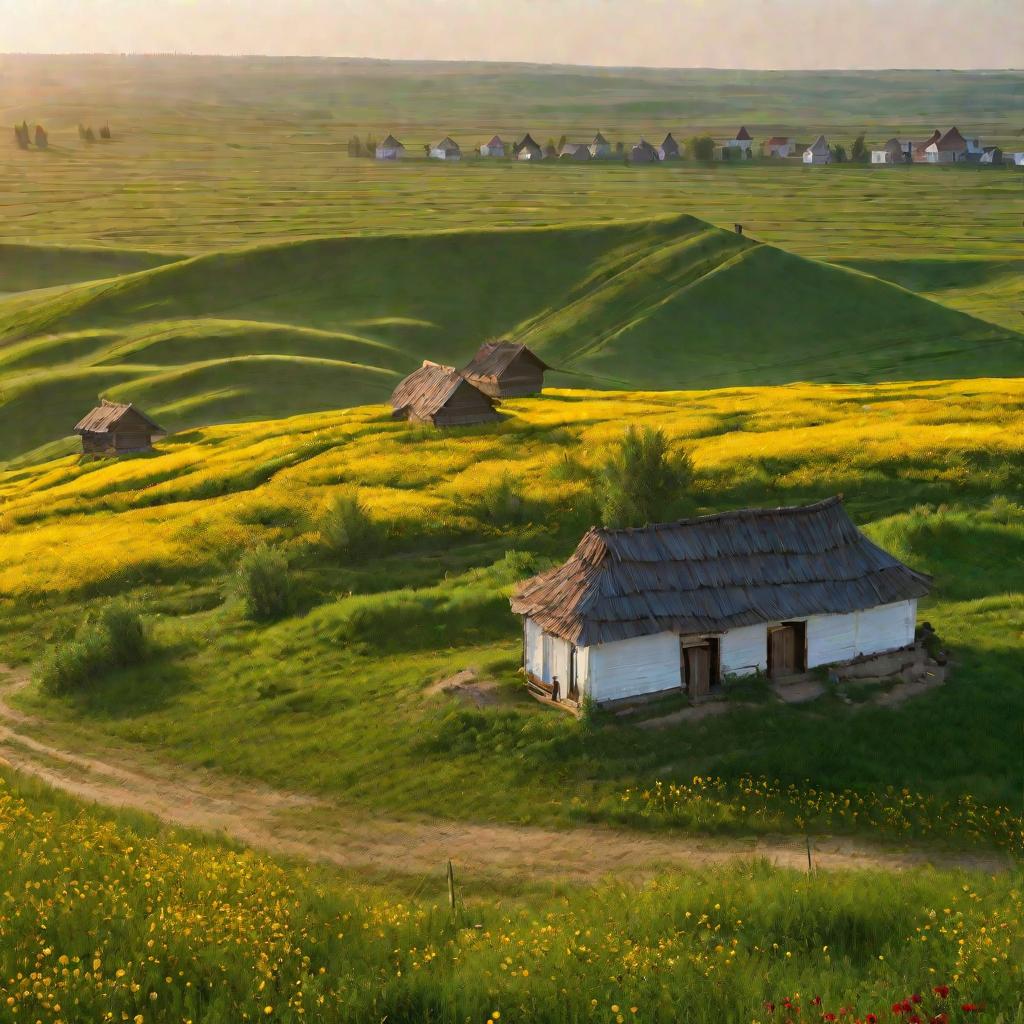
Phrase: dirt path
(318, 829)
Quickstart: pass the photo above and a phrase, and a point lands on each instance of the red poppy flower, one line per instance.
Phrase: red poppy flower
(828, 1016)
(971, 1007)
(897, 1008)
(871, 1019)
(941, 991)
(770, 1007)
(939, 1018)
(914, 1019)
(915, 998)
(816, 1001)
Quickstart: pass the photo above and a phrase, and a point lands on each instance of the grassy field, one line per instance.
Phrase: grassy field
(194, 930)
(215, 153)
(340, 693)
(328, 323)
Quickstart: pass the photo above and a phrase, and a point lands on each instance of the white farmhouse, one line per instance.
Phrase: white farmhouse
(818, 152)
(687, 605)
(390, 149)
(743, 143)
(446, 149)
(1017, 159)
(493, 148)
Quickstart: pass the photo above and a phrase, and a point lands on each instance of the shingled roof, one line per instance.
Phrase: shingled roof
(108, 414)
(714, 573)
(426, 391)
(494, 357)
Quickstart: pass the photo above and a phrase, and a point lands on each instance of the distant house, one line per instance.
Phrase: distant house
(1017, 159)
(921, 149)
(113, 428)
(743, 143)
(493, 148)
(992, 156)
(506, 369)
(600, 148)
(441, 396)
(950, 148)
(895, 151)
(779, 146)
(446, 149)
(528, 149)
(643, 153)
(579, 151)
(684, 606)
(390, 149)
(669, 149)
(818, 152)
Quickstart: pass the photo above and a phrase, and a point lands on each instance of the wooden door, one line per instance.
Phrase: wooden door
(782, 654)
(698, 670)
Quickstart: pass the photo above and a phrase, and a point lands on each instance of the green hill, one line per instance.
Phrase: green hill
(332, 323)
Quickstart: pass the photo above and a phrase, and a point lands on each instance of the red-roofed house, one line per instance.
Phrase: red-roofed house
(949, 149)
(493, 148)
(780, 146)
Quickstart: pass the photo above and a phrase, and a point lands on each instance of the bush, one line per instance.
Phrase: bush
(264, 583)
(502, 503)
(643, 482)
(115, 638)
(701, 147)
(348, 531)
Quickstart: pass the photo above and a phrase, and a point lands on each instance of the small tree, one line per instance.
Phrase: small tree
(264, 583)
(90, 135)
(701, 147)
(20, 136)
(644, 481)
(42, 139)
(859, 151)
(839, 153)
(348, 531)
(619, 148)
(105, 132)
(562, 140)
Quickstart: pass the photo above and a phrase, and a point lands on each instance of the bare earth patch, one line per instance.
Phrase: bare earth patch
(324, 830)
(467, 687)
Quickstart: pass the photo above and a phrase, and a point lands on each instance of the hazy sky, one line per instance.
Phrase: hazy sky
(667, 33)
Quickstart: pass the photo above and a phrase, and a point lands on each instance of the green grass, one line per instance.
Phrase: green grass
(347, 712)
(195, 930)
(329, 323)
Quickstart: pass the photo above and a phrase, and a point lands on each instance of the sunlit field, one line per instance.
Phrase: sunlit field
(339, 691)
(192, 930)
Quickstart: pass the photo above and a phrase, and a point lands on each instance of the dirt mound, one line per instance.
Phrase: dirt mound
(467, 687)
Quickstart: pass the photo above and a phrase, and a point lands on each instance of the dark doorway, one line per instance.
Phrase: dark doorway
(699, 666)
(787, 649)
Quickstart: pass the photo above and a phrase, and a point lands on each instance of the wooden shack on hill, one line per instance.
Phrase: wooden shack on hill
(113, 428)
(441, 396)
(506, 369)
(684, 605)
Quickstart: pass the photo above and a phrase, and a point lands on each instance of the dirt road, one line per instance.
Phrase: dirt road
(319, 829)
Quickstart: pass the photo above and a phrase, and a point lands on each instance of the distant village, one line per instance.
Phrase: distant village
(939, 147)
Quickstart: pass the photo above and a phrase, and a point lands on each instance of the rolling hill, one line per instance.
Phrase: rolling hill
(335, 322)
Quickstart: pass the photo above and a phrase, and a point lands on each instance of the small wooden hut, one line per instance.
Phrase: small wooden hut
(441, 396)
(506, 369)
(113, 428)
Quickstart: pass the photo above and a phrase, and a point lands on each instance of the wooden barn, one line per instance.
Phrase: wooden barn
(818, 152)
(687, 605)
(669, 149)
(441, 396)
(643, 153)
(113, 428)
(506, 369)
(528, 149)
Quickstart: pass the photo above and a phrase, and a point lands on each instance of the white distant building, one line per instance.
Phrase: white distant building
(818, 152)
(493, 148)
(895, 151)
(1017, 159)
(390, 149)
(780, 146)
(685, 606)
(600, 148)
(446, 149)
(743, 143)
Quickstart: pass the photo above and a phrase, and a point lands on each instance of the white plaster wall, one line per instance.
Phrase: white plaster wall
(744, 650)
(832, 638)
(626, 668)
(533, 653)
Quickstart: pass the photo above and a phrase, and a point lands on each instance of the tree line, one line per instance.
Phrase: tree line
(24, 138)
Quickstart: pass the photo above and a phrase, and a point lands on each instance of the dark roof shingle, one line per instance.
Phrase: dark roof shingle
(108, 414)
(715, 573)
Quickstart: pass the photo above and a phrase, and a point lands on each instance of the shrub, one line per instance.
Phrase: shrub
(701, 147)
(114, 638)
(264, 583)
(643, 482)
(502, 503)
(859, 151)
(348, 531)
